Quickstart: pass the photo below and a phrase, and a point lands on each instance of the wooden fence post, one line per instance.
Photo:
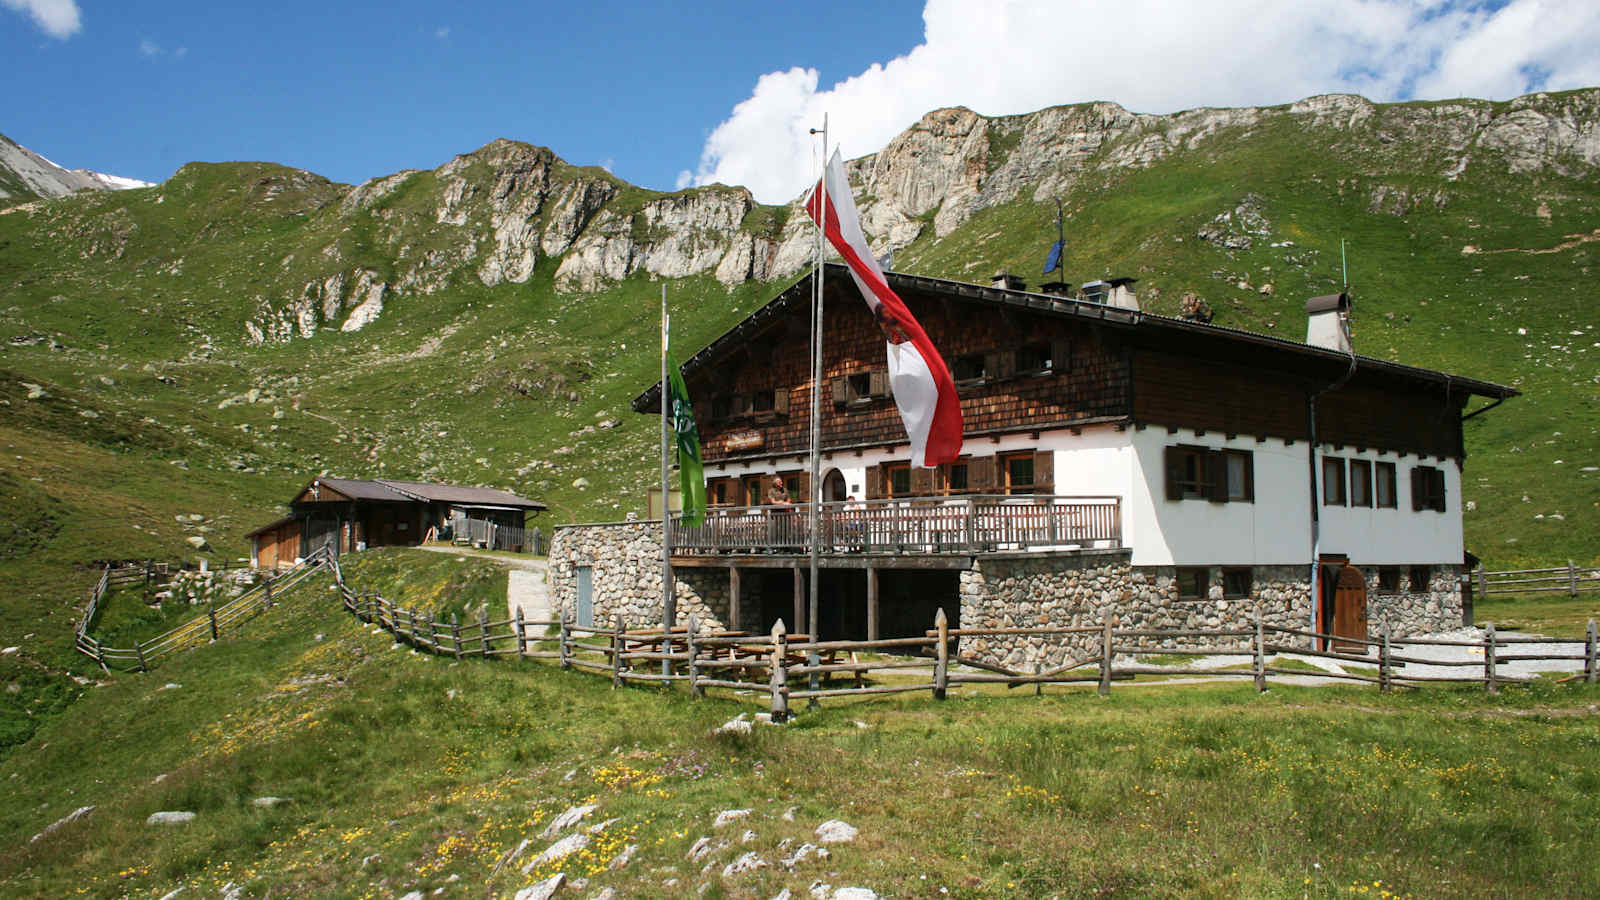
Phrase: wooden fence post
(1589, 655)
(269, 594)
(616, 651)
(1385, 675)
(483, 626)
(455, 632)
(566, 646)
(433, 633)
(941, 666)
(1572, 578)
(1105, 652)
(1488, 659)
(138, 649)
(813, 680)
(1261, 653)
(779, 680)
(695, 690)
(211, 613)
(1483, 583)
(522, 633)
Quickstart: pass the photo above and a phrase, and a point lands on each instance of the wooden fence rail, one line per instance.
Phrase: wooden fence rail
(197, 631)
(1570, 579)
(785, 670)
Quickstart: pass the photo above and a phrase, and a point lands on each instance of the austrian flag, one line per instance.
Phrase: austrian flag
(923, 389)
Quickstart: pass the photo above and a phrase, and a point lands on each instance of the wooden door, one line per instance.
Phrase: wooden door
(1350, 609)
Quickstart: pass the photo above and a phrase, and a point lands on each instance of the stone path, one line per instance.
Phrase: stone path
(526, 583)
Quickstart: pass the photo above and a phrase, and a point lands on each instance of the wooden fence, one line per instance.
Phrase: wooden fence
(787, 667)
(1569, 579)
(199, 630)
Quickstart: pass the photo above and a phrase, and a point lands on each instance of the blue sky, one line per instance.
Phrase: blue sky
(670, 95)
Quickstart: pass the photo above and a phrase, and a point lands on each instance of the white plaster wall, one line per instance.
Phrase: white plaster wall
(1400, 536)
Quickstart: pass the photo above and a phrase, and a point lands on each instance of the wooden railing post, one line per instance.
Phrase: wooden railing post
(1589, 655)
(1105, 652)
(269, 594)
(941, 666)
(1483, 583)
(433, 632)
(522, 633)
(1261, 652)
(813, 679)
(138, 650)
(566, 645)
(455, 633)
(779, 681)
(1488, 660)
(972, 525)
(1572, 578)
(211, 613)
(695, 688)
(1385, 674)
(483, 628)
(616, 651)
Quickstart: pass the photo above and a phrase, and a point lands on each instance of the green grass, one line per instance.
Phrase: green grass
(1194, 791)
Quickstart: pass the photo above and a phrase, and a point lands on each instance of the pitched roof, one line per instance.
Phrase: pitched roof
(1148, 326)
(410, 491)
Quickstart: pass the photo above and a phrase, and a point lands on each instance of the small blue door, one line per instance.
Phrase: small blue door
(586, 596)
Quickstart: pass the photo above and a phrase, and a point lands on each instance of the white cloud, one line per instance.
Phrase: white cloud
(181, 52)
(57, 18)
(1002, 57)
(148, 47)
(442, 32)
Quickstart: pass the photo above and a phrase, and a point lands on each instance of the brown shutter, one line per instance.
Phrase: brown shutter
(805, 489)
(1044, 472)
(1215, 473)
(839, 385)
(1419, 489)
(879, 384)
(780, 401)
(1060, 356)
(921, 481)
(980, 474)
(874, 483)
(1438, 492)
(1174, 461)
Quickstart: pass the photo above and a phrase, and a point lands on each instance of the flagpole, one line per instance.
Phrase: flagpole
(668, 600)
(816, 394)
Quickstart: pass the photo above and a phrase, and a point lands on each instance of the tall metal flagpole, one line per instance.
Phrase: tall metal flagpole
(816, 391)
(668, 597)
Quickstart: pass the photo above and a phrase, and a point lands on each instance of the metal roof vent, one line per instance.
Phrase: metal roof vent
(1005, 281)
(1328, 322)
(1056, 288)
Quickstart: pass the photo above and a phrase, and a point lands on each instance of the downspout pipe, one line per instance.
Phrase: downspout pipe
(1316, 493)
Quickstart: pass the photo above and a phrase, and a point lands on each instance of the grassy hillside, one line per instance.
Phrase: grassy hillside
(404, 772)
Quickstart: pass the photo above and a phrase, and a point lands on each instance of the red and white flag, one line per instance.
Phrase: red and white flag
(921, 382)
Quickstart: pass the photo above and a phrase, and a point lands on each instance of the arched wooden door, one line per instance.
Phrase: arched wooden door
(833, 487)
(1350, 609)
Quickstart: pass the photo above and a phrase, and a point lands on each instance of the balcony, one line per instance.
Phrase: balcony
(918, 525)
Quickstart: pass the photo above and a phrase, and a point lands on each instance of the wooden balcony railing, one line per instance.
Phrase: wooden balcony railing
(965, 524)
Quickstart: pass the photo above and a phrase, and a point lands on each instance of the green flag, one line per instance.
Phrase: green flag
(681, 415)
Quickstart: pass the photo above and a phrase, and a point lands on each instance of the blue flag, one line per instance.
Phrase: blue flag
(1054, 259)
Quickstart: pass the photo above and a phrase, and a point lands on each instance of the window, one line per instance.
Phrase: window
(1193, 583)
(1332, 481)
(1201, 473)
(762, 401)
(955, 478)
(899, 480)
(1427, 488)
(1421, 576)
(1034, 358)
(753, 494)
(1017, 472)
(968, 368)
(1383, 484)
(1360, 482)
(717, 493)
(791, 485)
(1236, 583)
(1389, 578)
(858, 386)
(721, 407)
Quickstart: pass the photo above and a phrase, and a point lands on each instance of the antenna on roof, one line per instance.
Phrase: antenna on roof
(1344, 268)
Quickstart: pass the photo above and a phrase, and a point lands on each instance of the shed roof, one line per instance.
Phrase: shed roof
(389, 491)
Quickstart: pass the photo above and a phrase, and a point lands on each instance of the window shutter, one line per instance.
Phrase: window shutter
(980, 474)
(921, 481)
(839, 386)
(1044, 472)
(805, 489)
(1419, 489)
(874, 483)
(1060, 356)
(1174, 460)
(1438, 493)
(879, 384)
(780, 401)
(1249, 478)
(1000, 364)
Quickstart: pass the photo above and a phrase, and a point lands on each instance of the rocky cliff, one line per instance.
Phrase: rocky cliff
(25, 175)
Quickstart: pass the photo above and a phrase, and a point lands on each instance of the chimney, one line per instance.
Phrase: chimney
(1328, 322)
(1056, 289)
(1095, 291)
(1005, 281)
(1122, 295)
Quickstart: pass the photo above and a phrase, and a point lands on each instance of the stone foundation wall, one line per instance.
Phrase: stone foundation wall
(1415, 609)
(626, 577)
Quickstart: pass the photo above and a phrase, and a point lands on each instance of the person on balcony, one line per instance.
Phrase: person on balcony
(781, 520)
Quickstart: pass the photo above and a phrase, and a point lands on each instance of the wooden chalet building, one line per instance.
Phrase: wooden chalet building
(347, 514)
(1113, 458)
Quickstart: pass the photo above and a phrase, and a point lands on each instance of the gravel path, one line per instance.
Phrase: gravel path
(527, 584)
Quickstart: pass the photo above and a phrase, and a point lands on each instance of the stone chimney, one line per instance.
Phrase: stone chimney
(1056, 289)
(1005, 281)
(1122, 295)
(1328, 322)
